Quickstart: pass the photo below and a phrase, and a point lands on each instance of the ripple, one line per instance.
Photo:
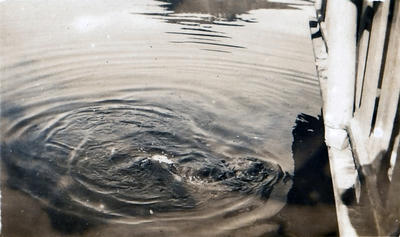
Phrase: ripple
(121, 158)
(121, 126)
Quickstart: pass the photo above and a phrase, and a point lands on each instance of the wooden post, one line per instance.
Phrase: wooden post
(338, 107)
(341, 17)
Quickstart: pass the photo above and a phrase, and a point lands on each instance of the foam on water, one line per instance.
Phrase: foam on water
(161, 159)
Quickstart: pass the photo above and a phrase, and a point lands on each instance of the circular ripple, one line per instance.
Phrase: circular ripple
(126, 158)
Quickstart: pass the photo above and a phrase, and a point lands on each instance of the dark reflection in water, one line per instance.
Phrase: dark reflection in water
(310, 209)
(224, 10)
(311, 164)
(200, 15)
(198, 29)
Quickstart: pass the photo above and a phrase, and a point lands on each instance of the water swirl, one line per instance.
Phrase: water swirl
(123, 158)
(104, 121)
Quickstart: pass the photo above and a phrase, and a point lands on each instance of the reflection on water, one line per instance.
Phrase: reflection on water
(311, 195)
(124, 119)
(223, 10)
(198, 18)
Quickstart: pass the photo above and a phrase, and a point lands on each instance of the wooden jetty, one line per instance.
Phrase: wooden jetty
(357, 51)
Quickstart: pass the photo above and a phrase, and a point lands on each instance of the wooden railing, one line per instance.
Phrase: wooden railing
(361, 88)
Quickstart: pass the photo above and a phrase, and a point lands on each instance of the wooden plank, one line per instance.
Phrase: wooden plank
(320, 6)
(339, 101)
(359, 144)
(343, 177)
(390, 92)
(367, 148)
(324, 34)
(362, 53)
(329, 4)
(373, 68)
(382, 134)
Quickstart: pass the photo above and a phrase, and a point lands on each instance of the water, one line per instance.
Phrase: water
(151, 117)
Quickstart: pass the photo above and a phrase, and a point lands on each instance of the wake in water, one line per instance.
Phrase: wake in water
(123, 158)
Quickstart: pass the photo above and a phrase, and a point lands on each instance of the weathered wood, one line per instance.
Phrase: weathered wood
(338, 102)
(329, 4)
(359, 143)
(372, 142)
(362, 53)
(369, 151)
(373, 68)
(338, 106)
(320, 7)
(343, 177)
(390, 92)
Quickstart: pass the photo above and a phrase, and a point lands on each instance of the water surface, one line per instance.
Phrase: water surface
(151, 117)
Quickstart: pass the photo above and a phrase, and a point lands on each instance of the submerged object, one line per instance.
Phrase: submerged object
(122, 159)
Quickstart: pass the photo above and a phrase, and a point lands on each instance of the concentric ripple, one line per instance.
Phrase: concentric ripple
(153, 116)
(124, 158)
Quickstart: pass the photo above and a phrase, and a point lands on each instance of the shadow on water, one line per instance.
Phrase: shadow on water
(310, 209)
(312, 182)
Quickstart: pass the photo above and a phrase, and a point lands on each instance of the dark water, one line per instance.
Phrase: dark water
(137, 118)
(122, 158)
